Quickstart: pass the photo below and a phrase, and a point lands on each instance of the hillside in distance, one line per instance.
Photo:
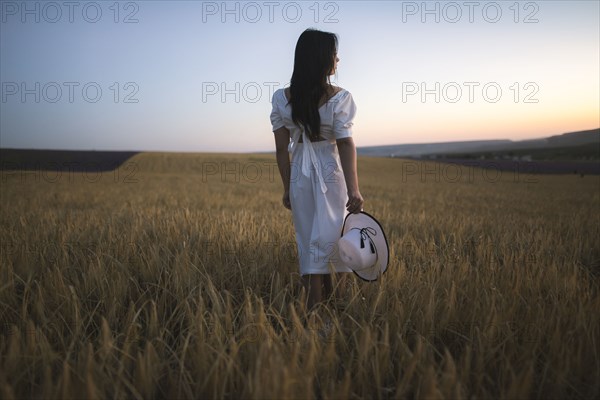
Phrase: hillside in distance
(419, 149)
(588, 139)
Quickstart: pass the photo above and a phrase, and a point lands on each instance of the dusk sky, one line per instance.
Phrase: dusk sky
(198, 76)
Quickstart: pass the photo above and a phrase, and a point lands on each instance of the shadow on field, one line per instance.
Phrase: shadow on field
(62, 160)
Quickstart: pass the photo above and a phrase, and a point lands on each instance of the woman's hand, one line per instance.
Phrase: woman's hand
(355, 202)
(286, 200)
(282, 140)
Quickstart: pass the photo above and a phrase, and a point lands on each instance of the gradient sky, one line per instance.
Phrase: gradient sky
(173, 58)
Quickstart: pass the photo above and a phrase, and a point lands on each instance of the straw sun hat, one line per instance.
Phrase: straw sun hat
(363, 246)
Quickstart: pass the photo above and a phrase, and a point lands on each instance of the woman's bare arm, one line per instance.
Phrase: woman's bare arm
(282, 140)
(347, 152)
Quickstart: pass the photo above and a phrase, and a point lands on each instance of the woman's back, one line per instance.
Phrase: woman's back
(336, 112)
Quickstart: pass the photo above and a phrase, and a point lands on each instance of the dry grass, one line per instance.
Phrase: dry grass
(181, 284)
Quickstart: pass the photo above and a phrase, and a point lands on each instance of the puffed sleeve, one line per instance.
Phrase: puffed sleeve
(343, 115)
(276, 120)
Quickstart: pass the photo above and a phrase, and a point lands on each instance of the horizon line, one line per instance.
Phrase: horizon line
(273, 150)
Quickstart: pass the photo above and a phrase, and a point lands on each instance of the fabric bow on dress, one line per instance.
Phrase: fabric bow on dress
(308, 157)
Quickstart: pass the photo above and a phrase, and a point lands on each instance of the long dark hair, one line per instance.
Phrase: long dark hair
(313, 63)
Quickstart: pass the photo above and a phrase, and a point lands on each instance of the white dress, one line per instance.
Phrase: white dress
(318, 193)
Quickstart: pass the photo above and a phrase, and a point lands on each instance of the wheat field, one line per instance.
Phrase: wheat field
(175, 276)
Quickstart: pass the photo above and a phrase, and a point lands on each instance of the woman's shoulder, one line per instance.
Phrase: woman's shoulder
(334, 90)
(279, 95)
(341, 95)
(334, 94)
(339, 92)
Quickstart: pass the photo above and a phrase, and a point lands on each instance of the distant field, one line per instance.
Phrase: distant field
(589, 152)
(520, 167)
(175, 276)
(570, 146)
(62, 160)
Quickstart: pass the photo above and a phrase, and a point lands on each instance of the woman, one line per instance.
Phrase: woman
(321, 183)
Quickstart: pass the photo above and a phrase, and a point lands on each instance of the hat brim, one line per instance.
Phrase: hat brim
(361, 220)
